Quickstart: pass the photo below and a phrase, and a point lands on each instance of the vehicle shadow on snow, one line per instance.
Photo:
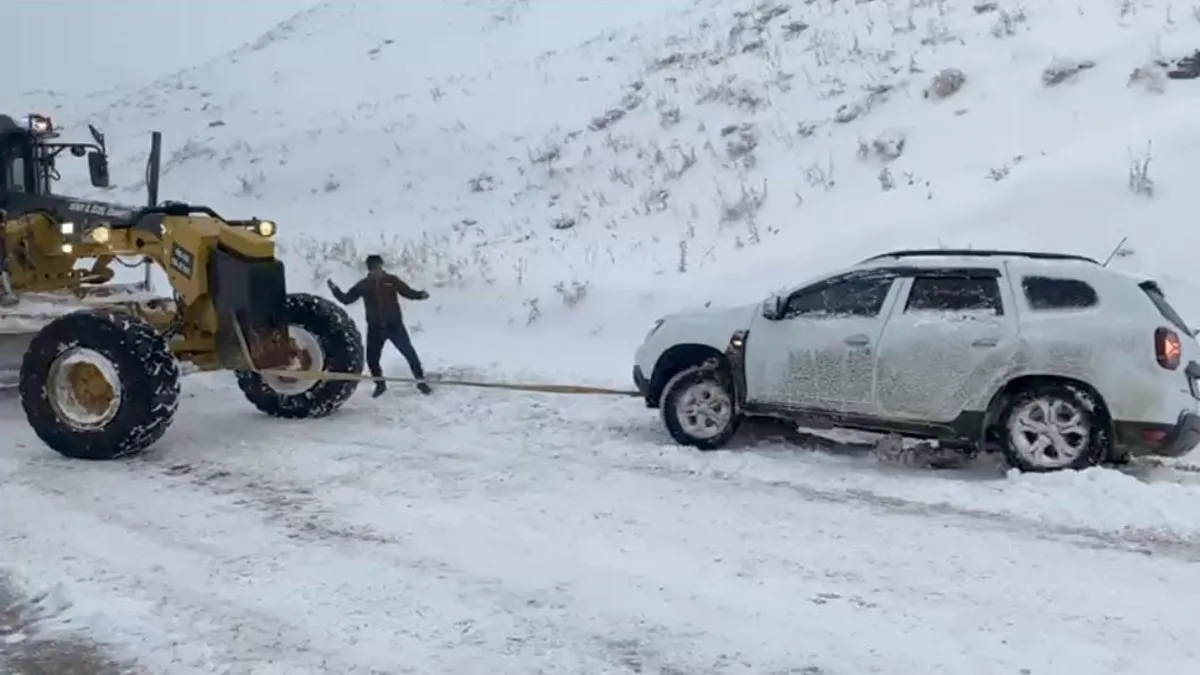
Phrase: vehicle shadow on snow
(866, 452)
(778, 439)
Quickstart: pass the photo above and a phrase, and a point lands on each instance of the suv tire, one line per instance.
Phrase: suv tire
(698, 408)
(1051, 427)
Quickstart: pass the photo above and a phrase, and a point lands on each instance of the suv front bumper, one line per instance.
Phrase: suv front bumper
(642, 384)
(1140, 439)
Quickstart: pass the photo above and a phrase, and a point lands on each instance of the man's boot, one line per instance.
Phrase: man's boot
(380, 387)
(423, 388)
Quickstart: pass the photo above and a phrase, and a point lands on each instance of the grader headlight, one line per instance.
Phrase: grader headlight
(100, 234)
(265, 228)
(67, 248)
(67, 229)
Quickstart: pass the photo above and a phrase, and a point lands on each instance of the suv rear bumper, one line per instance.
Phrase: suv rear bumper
(1139, 439)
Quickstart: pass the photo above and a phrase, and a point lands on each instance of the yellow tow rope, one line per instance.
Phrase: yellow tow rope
(510, 386)
(359, 377)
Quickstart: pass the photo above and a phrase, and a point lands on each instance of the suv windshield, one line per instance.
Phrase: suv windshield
(1160, 301)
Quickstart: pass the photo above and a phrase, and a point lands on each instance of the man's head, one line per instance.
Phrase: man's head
(374, 264)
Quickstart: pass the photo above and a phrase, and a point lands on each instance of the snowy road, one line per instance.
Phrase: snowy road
(569, 537)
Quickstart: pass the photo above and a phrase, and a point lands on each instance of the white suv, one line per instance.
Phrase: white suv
(1054, 360)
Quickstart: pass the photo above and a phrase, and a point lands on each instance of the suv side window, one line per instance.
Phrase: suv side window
(955, 294)
(853, 297)
(1045, 293)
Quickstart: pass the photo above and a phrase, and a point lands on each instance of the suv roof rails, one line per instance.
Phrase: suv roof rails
(951, 252)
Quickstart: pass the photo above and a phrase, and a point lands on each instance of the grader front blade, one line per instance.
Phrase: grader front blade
(19, 322)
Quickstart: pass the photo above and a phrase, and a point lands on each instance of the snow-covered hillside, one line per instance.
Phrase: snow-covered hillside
(497, 131)
(559, 174)
(712, 150)
(71, 47)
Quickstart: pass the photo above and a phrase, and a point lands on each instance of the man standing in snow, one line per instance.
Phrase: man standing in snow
(379, 291)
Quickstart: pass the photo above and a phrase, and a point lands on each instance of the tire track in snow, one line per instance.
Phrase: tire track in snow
(653, 453)
(28, 646)
(244, 635)
(1141, 541)
(1134, 540)
(404, 456)
(681, 464)
(145, 568)
(248, 480)
(621, 436)
(295, 508)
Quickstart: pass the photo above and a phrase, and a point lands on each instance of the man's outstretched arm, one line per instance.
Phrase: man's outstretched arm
(407, 291)
(346, 297)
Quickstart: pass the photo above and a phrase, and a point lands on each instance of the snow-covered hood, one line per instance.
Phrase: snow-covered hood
(711, 326)
(738, 316)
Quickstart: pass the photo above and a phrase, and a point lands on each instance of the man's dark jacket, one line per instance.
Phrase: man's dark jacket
(379, 296)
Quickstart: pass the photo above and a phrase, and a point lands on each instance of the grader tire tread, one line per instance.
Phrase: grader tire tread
(148, 376)
(342, 344)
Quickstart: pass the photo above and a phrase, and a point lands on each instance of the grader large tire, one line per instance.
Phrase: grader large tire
(99, 385)
(331, 341)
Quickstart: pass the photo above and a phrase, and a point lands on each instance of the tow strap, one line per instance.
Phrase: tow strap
(510, 386)
(574, 389)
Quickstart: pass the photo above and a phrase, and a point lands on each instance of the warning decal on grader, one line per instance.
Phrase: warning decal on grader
(182, 260)
(99, 209)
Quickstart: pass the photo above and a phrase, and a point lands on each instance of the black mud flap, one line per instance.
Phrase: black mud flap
(250, 296)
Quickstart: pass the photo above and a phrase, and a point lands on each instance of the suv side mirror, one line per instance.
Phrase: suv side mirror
(98, 169)
(772, 307)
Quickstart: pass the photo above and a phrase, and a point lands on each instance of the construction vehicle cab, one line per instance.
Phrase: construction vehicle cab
(28, 155)
(99, 360)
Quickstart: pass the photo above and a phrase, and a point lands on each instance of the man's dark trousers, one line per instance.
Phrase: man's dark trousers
(398, 334)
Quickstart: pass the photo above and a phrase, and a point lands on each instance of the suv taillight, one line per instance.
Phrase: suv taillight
(1167, 348)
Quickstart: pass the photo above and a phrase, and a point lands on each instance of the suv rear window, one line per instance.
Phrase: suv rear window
(1049, 293)
(1160, 301)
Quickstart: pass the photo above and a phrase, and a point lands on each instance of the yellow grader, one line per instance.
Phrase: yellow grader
(99, 361)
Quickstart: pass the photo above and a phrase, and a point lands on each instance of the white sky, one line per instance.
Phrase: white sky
(85, 45)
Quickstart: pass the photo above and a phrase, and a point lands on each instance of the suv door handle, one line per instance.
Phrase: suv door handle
(986, 342)
(858, 340)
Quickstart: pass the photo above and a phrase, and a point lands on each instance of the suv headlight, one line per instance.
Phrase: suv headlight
(653, 329)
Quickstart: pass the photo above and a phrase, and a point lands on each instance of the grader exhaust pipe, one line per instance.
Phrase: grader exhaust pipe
(153, 166)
